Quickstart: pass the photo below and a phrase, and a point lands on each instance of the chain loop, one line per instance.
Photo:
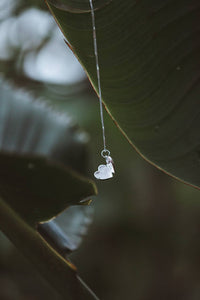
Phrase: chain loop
(105, 153)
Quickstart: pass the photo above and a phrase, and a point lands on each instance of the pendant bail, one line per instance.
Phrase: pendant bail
(105, 153)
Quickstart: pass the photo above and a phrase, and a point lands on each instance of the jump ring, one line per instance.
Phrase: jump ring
(105, 153)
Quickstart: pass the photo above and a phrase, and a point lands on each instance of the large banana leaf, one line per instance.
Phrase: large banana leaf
(40, 153)
(150, 73)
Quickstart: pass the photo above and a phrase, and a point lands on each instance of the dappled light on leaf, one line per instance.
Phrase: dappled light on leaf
(7, 7)
(41, 51)
(52, 64)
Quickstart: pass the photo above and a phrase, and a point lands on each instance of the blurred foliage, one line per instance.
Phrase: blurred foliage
(143, 244)
(39, 153)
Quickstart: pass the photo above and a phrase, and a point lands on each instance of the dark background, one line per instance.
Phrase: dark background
(144, 241)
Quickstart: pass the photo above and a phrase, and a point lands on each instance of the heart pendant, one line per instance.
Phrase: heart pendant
(105, 171)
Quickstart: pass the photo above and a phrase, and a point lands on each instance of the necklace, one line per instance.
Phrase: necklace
(104, 171)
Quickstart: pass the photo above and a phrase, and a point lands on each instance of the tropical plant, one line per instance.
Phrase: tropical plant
(149, 64)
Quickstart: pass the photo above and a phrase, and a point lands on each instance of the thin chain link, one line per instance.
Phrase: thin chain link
(98, 73)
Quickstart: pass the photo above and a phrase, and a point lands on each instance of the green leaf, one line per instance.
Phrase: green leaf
(39, 189)
(38, 180)
(65, 232)
(149, 64)
(60, 273)
(78, 6)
